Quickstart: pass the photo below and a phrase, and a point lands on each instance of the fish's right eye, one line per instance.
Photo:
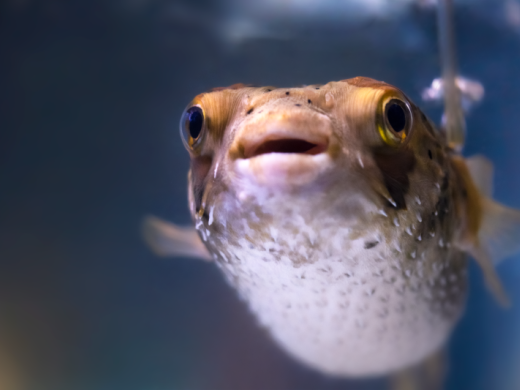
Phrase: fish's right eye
(395, 122)
(192, 126)
(395, 116)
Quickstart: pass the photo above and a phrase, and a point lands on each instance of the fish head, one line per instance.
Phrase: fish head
(356, 140)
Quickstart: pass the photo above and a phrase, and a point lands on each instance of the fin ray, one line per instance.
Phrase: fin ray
(485, 261)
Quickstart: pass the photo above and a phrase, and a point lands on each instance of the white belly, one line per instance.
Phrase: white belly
(356, 312)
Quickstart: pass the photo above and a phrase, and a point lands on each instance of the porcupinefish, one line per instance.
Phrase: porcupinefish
(341, 216)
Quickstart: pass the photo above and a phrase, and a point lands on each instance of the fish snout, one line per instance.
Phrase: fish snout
(285, 147)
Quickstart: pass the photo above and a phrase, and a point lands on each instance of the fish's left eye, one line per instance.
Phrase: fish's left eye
(396, 121)
(192, 126)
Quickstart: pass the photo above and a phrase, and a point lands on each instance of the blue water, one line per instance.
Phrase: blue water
(90, 96)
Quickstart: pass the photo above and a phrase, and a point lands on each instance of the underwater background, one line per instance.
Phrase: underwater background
(90, 99)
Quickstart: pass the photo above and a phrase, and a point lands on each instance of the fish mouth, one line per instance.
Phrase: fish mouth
(286, 146)
(284, 158)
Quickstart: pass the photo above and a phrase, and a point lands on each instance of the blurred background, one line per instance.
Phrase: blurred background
(90, 97)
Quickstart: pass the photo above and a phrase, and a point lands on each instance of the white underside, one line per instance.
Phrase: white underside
(327, 299)
(348, 325)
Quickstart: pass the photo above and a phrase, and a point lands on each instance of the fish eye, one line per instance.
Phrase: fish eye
(192, 126)
(397, 121)
(396, 117)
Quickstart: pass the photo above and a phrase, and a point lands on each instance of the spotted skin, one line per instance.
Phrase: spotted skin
(350, 257)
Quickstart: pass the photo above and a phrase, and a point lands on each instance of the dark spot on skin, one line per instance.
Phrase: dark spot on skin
(395, 167)
(317, 87)
(250, 110)
(442, 207)
(268, 90)
(430, 154)
(287, 93)
(298, 105)
(443, 203)
(431, 225)
(445, 183)
(309, 101)
(371, 244)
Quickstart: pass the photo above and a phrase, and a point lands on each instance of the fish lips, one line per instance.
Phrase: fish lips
(282, 150)
(282, 169)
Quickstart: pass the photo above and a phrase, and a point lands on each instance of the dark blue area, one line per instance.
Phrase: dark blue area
(90, 100)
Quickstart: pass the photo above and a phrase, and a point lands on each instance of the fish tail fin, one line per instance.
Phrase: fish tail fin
(166, 239)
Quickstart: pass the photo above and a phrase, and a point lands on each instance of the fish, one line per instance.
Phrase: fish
(342, 216)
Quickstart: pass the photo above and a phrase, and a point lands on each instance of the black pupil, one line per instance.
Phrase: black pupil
(396, 117)
(195, 119)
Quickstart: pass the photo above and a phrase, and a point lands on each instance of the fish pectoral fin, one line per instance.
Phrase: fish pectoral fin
(499, 231)
(498, 234)
(481, 171)
(491, 278)
(499, 228)
(166, 239)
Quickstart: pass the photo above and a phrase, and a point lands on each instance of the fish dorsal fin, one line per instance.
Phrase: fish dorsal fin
(167, 239)
(481, 171)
